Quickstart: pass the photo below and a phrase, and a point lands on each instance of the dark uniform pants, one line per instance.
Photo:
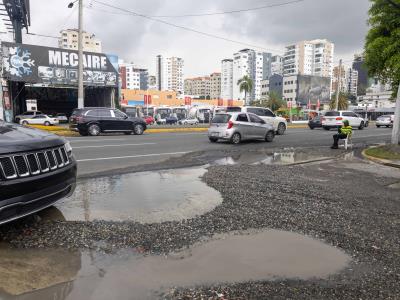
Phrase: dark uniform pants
(337, 137)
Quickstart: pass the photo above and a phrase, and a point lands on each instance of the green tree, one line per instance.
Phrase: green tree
(382, 44)
(343, 102)
(274, 101)
(245, 85)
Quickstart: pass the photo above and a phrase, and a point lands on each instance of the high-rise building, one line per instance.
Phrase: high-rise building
(198, 87)
(348, 80)
(309, 58)
(277, 65)
(256, 65)
(132, 77)
(227, 79)
(363, 79)
(69, 40)
(215, 85)
(170, 74)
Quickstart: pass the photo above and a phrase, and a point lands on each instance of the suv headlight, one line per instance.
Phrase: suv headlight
(68, 148)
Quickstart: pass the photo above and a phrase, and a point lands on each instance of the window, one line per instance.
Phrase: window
(253, 110)
(221, 118)
(91, 113)
(268, 113)
(119, 114)
(255, 119)
(332, 114)
(104, 113)
(242, 118)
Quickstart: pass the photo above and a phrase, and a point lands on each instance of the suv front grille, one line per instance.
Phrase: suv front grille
(33, 163)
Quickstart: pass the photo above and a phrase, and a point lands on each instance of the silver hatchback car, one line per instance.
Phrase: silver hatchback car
(236, 127)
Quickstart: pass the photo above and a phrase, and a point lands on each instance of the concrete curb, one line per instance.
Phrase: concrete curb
(380, 161)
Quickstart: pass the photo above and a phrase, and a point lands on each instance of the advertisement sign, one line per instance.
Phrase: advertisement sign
(188, 101)
(220, 102)
(312, 89)
(55, 66)
(230, 103)
(147, 99)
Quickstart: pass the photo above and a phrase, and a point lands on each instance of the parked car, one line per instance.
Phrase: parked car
(385, 121)
(315, 122)
(171, 120)
(62, 118)
(366, 121)
(36, 170)
(27, 115)
(279, 123)
(40, 120)
(191, 121)
(95, 120)
(237, 127)
(149, 120)
(334, 119)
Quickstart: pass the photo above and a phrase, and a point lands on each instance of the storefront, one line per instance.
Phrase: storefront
(50, 76)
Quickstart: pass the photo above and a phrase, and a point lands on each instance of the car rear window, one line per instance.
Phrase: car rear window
(332, 114)
(221, 118)
(77, 112)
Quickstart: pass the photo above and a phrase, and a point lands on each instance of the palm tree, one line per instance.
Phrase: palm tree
(245, 85)
(343, 102)
(274, 101)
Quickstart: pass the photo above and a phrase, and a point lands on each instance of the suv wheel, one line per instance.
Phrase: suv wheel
(138, 129)
(25, 123)
(281, 129)
(361, 127)
(94, 130)
(269, 137)
(47, 123)
(236, 138)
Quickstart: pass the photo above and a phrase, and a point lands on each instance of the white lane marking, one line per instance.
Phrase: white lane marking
(90, 140)
(132, 156)
(119, 145)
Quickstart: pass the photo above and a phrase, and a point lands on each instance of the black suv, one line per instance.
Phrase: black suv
(36, 169)
(95, 120)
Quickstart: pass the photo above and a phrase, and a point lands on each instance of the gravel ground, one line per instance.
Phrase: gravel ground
(331, 201)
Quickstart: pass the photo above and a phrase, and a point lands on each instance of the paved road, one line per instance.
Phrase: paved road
(102, 153)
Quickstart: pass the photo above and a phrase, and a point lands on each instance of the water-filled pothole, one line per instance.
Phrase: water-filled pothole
(144, 197)
(266, 255)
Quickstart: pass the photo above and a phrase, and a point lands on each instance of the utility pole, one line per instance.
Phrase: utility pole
(339, 77)
(396, 121)
(81, 96)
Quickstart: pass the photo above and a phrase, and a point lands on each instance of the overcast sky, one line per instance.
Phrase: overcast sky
(139, 40)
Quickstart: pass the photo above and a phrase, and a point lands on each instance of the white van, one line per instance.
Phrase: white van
(279, 123)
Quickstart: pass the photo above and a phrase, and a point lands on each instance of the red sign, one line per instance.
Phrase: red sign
(220, 102)
(147, 99)
(289, 104)
(188, 101)
(230, 102)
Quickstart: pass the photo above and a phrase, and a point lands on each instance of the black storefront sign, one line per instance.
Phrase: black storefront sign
(55, 66)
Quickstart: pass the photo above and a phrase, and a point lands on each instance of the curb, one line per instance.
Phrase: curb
(380, 161)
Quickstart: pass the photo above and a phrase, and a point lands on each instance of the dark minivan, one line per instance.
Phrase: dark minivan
(95, 120)
(36, 169)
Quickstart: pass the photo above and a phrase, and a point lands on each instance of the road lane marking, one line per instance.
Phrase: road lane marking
(90, 140)
(132, 156)
(119, 145)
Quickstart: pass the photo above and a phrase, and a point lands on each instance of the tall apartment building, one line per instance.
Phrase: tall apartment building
(215, 85)
(198, 87)
(309, 58)
(133, 78)
(256, 65)
(170, 74)
(363, 79)
(227, 79)
(277, 65)
(69, 40)
(348, 80)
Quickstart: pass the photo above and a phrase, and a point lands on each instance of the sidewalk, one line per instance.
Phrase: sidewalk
(388, 155)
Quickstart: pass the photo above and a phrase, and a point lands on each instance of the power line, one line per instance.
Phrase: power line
(186, 28)
(211, 13)
(43, 35)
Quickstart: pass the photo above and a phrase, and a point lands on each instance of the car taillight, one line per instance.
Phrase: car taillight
(339, 119)
(230, 124)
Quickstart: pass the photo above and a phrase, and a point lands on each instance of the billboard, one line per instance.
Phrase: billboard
(55, 66)
(313, 88)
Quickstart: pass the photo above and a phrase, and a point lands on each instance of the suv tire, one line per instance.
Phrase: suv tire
(281, 129)
(138, 129)
(361, 127)
(94, 130)
(269, 137)
(47, 123)
(236, 138)
(25, 123)
(213, 139)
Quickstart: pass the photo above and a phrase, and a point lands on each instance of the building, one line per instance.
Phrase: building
(227, 79)
(198, 87)
(133, 78)
(373, 100)
(256, 65)
(69, 40)
(170, 74)
(348, 80)
(363, 78)
(309, 58)
(215, 85)
(277, 65)
(276, 84)
(264, 89)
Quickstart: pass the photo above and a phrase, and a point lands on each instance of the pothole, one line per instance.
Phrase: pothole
(229, 258)
(146, 197)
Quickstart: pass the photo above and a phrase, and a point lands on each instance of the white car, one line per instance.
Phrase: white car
(334, 119)
(193, 121)
(62, 118)
(40, 120)
(279, 123)
(385, 121)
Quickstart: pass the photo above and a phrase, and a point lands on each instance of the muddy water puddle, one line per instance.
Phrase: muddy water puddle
(278, 158)
(266, 255)
(146, 197)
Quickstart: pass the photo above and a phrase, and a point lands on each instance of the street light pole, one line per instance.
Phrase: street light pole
(81, 101)
(338, 85)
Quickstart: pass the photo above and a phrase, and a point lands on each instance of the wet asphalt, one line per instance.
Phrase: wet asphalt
(340, 200)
